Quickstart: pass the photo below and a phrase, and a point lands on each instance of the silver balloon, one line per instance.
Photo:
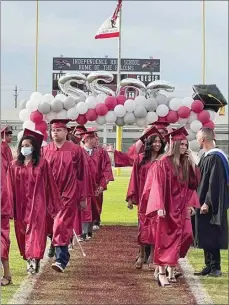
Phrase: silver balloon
(44, 108)
(65, 84)
(22, 104)
(120, 122)
(154, 87)
(96, 89)
(133, 83)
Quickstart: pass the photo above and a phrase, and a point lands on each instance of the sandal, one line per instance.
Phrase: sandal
(159, 282)
(151, 267)
(8, 280)
(140, 262)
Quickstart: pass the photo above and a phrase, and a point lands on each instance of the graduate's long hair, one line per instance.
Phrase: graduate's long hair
(179, 160)
(148, 152)
(35, 153)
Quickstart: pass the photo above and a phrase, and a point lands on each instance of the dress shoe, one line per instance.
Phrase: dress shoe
(204, 272)
(215, 273)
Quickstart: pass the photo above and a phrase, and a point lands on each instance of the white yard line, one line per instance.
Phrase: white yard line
(22, 295)
(197, 288)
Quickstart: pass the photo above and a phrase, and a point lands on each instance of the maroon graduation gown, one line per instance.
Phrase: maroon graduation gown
(134, 194)
(33, 193)
(70, 172)
(167, 193)
(122, 159)
(101, 173)
(6, 207)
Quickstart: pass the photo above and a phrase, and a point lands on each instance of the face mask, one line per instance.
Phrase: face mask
(26, 151)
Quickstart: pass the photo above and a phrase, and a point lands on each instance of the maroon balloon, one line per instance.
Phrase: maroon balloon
(121, 99)
(172, 117)
(36, 117)
(184, 112)
(203, 116)
(209, 124)
(91, 115)
(101, 109)
(81, 120)
(111, 102)
(42, 126)
(197, 106)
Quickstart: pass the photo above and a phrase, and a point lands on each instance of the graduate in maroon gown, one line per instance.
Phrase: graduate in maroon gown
(154, 147)
(70, 172)
(122, 159)
(33, 194)
(167, 193)
(101, 174)
(6, 207)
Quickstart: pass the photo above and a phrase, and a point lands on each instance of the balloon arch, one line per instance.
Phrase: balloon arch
(151, 103)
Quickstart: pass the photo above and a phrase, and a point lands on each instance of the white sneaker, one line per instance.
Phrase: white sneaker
(31, 266)
(95, 228)
(57, 267)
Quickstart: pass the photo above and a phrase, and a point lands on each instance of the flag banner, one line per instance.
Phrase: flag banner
(110, 28)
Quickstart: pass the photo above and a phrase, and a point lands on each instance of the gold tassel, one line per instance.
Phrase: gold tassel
(222, 111)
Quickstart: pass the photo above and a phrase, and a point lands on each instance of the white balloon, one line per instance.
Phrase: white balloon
(162, 110)
(82, 107)
(162, 99)
(72, 113)
(101, 120)
(194, 146)
(110, 117)
(191, 135)
(60, 97)
(213, 115)
(150, 104)
(22, 104)
(120, 122)
(196, 125)
(36, 97)
(140, 100)
(187, 101)
(129, 118)
(120, 111)
(24, 115)
(47, 98)
(62, 114)
(141, 122)
(57, 105)
(29, 125)
(192, 117)
(140, 111)
(44, 107)
(69, 102)
(32, 105)
(175, 103)
(51, 116)
(91, 102)
(130, 105)
(151, 117)
(182, 122)
(100, 98)
(20, 135)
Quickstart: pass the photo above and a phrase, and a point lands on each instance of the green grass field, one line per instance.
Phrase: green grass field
(115, 212)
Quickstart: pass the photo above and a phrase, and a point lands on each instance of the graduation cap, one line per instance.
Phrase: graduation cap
(177, 135)
(210, 95)
(59, 123)
(38, 137)
(150, 132)
(91, 132)
(6, 130)
(161, 125)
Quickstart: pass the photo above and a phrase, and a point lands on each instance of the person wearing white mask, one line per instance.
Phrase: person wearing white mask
(33, 195)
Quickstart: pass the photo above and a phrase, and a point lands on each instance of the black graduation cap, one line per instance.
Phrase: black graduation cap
(210, 95)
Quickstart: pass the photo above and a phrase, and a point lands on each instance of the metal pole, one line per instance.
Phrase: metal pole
(118, 128)
(36, 53)
(203, 43)
(105, 134)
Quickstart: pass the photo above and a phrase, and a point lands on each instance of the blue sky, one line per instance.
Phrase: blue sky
(169, 30)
